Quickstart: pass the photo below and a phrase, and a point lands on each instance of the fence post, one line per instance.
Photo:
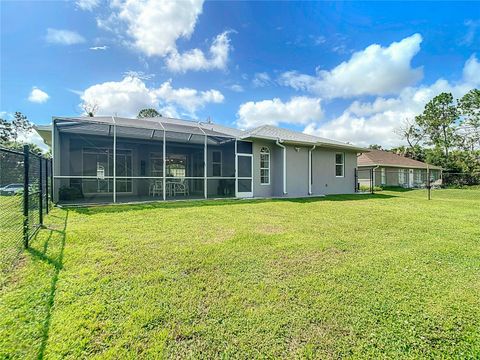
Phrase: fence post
(46, 186)
(51, 179)
(40, 192)
(356, 181)
(26, 154)
(429, 186)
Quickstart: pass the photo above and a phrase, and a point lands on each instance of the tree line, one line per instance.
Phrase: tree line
(446, 133)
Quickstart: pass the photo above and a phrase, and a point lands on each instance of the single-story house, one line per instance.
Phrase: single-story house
(389, 169)
(114, 159)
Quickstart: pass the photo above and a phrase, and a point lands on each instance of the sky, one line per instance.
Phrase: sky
(349, 71)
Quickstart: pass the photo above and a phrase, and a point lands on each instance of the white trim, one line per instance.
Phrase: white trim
(205, 167)
(244, 194)
(265, 168)
(164, 191)
(343, 164)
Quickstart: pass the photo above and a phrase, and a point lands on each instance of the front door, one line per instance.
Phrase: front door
(244, 186)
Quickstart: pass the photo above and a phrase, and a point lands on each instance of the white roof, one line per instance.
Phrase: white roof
(267, 132)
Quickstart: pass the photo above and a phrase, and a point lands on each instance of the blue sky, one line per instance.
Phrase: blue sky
(350, 71)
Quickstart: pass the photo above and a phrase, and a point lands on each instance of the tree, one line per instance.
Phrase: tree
(375, 147)
(6, 131)
(469, 107)
(20, 125)
(90, 109)
(439, 123)
(416, 152)
(414, 135)
(148, 113)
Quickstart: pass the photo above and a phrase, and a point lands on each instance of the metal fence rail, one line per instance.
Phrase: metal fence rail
(25, 197)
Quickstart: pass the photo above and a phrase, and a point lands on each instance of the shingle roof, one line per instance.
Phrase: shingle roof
(386, 158)
(286, 135)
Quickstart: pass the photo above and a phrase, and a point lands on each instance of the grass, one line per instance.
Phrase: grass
(389, 275)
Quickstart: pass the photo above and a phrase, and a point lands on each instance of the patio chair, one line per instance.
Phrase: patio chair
(180, 187)
(156, 188)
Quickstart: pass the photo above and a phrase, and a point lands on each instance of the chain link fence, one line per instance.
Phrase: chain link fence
(25, 197)
(460, 179)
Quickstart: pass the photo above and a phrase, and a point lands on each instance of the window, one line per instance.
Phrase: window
(384, 177)
(176, 165)
(418, 176)
(156, 164)
(401, 177)
(264, 166)
(339, 164)
(216, 163)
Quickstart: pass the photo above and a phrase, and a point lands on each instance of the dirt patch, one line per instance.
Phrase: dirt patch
(270, 229)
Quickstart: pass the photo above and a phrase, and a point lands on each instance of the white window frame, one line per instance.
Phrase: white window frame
(383, 176)
(342, 163)
(401, 177)
(217, 163)
(418, 176)
(263, 152)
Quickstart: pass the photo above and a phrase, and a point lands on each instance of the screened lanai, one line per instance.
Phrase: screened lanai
(111, 159)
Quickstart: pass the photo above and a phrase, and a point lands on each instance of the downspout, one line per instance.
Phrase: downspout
(310, 169)
(278, 142)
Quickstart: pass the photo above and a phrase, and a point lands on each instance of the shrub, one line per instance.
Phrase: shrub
(70, 193)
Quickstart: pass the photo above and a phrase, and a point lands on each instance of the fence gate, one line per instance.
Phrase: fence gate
(364, 180)
(25, 197)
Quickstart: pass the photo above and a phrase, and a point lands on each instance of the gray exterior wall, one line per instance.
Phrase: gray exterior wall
(261, 190)
(324, 179)
(323, 171)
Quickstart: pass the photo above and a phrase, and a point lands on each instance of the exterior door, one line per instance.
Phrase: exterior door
(244, 183)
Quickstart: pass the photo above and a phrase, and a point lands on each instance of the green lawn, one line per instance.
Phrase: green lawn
(390, 275)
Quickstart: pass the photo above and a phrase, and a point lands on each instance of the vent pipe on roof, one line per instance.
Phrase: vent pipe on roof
(278, 142)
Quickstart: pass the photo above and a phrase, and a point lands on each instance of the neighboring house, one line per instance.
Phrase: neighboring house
(112, 159)
(390, 169)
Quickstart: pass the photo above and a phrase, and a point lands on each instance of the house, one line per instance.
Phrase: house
(114, 159)
(390, 169)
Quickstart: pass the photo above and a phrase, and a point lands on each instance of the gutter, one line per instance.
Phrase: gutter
(278, 142)
(310, 169)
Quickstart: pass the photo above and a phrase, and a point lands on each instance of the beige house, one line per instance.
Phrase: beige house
(384, 168)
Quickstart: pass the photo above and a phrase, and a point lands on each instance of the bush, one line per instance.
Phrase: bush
(366, 188)
(70, 193)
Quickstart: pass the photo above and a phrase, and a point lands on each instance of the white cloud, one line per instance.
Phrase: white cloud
(38, 96)
(95, 48)
(376, 122)
(261, 79)
(472, 27)
(187, 98)
(376, 70)
(155, 26)
(128, 96)
(299, 110)
(236, 88)
(32, 137)
(63, 37)
(87, 5)
(196, 60)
